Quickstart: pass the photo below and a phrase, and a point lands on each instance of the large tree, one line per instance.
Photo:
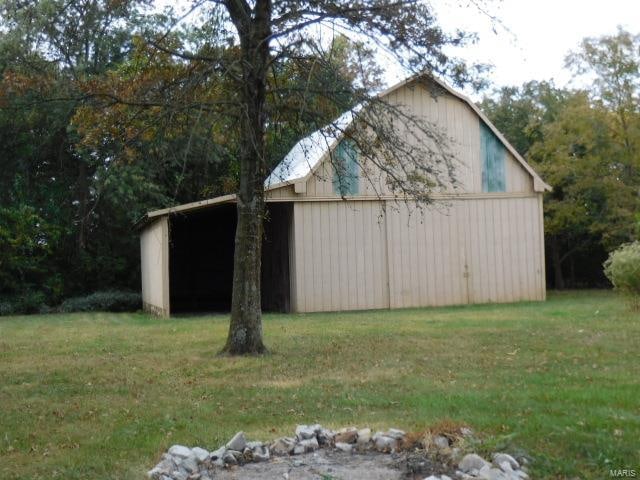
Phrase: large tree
(265, 34)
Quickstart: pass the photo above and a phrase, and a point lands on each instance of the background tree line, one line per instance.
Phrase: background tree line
(585, 142)
(81, 161)
(102, 120)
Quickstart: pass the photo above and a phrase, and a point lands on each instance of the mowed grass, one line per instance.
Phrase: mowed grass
(103, 395)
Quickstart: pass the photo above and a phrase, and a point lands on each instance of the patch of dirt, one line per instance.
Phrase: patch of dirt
(328, 464)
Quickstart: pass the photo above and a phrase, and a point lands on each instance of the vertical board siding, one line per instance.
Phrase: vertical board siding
(154, 263)
(342, 265)
(373, 254)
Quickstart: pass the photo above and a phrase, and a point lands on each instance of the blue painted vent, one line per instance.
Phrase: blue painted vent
(346, 171)
(494, 157)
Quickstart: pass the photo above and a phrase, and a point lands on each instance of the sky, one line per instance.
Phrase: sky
(532, 38)
(540, 33)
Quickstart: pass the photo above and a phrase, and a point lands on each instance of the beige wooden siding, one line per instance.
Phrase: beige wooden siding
(340, 257)
(154, 253)
(458, 121)
(358, 255)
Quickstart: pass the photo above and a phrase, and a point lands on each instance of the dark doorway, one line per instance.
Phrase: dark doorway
(201, 248)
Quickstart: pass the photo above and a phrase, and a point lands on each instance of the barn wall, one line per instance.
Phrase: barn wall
(358, 255)
(457, 120)
(154, 253)
(471, 251)
(340, 258)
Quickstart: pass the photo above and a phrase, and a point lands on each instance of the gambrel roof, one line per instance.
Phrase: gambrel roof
(303, 159)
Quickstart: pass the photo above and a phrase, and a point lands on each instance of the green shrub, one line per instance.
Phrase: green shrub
(106, 301)
(27, 302)
(622, 268)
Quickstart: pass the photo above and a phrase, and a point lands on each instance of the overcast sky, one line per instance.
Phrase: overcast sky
(536, 37)
(542, 33)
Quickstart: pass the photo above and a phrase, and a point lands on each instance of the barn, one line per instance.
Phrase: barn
(327, 248)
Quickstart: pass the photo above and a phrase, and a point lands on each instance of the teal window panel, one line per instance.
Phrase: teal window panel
(346, 170)
(494, 157)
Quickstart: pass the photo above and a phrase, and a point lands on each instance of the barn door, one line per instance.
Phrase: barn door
(428, 256)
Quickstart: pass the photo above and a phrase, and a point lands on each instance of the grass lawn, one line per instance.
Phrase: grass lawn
(103, 395)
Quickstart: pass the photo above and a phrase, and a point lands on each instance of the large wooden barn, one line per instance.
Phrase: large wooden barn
(327, 249)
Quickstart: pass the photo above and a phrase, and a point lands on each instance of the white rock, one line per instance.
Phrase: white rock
(305, 432)
(521, 474)
(445, 477)
(218, 453)
(309, 445)
(506, 467)
(385, 444)
(499, 458)
(156, 472)
(345, 447)
(238, 442)
(441, 442)
(189, 464)
(395, 433)
(283, 446)
(431, 477)
(180, 451)
(364, 436)
(299, 449)
(178, 475)
(253, 445)
(472, 462)
(200, 453)
(261, 454)
(229, 458)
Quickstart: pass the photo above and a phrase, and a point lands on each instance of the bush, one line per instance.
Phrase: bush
(622, 268)
(106, 301)
(27, 302)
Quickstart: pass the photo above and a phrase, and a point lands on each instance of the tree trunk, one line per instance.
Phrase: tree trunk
(556, 261)
(245, 329)
(83, 204)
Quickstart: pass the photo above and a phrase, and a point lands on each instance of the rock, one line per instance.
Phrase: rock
(432, 477)
(466, 432)
(180, 451)
(299, 449)
(499, 458)
(364, 437)
(385, 444)
(283, 446)
(305, 432)
(238, 442)
(178, 475)
(229, 458)
(157, 472)
(445, 477)
(253, 445)
(325, 436)
(309, 445)
(200, 453)
(472, 462)
(261, 454)
(520, 474)
(189, 464)
(350, 436)
(218, 453)
(493, 474)
(441, 442)
(395, 433)
(345, 447)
